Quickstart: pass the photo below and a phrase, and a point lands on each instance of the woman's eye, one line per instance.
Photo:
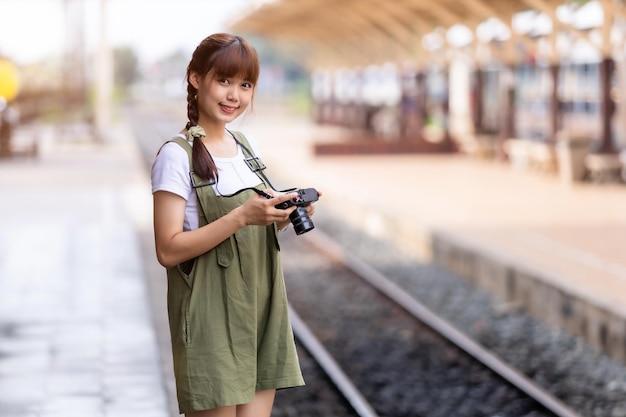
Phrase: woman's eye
(246, 85)
(223, 81)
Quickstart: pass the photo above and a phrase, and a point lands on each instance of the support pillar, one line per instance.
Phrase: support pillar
(104, 79)
(506, 116)
(422, 101)
(446, 105)
(477, 102)
(607, 109)
(554, 104)
(507, 107)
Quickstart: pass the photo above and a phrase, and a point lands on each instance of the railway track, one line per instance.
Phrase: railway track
(332, 253)
(541, 402)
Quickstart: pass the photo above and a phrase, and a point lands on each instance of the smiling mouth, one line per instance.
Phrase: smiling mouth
(228, 109)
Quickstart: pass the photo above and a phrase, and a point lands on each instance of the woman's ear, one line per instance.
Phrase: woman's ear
(194, 80)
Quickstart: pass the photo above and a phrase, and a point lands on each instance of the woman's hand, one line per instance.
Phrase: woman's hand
(310, 208)
(258, 210)
(173, 245)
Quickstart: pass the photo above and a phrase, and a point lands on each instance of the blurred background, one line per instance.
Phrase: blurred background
(79, 59)
(501, 124)
(495, 80)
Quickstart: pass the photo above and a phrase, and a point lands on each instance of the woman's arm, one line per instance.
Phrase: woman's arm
(174, 246)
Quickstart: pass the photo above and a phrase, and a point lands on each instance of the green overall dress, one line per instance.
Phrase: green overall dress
(230, 329)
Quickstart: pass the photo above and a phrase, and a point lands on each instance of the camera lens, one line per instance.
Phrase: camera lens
(301, 221)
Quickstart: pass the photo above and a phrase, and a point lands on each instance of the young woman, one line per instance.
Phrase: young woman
(217, 236)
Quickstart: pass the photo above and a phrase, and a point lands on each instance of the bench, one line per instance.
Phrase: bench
(604, 168)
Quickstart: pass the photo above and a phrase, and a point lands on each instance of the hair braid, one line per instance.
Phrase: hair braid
(192, 106)
(203, 163)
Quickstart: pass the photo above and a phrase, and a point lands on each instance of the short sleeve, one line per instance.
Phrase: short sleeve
(170, 171)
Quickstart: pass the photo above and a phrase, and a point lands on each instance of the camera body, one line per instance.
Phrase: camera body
(300, 217)
(305, 196)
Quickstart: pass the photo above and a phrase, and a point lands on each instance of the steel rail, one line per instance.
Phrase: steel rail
(377, 280)
(330, 366)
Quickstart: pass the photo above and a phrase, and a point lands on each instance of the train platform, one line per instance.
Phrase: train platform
(77, 337)
(554, 248)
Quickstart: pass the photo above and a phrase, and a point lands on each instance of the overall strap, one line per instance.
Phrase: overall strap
(241, 139)
(208, 202)
(196, 181)
(257, 166)
(254, 163)
(186, 146)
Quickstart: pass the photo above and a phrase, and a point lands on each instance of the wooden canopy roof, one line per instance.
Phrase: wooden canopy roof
(358, 32)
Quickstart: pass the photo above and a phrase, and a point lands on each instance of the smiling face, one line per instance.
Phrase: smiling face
(222, 74)
(221, 99)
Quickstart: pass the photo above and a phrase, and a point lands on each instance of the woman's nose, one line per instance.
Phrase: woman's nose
(233, 94)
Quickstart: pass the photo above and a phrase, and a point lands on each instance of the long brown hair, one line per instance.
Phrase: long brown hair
(223, 56)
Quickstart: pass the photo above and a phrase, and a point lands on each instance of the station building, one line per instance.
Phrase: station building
(539, 83)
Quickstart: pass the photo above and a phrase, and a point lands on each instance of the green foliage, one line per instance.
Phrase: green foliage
(579, 3)
(299, 99)
(271, 53)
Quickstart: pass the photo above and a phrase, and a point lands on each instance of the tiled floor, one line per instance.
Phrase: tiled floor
(76, 333)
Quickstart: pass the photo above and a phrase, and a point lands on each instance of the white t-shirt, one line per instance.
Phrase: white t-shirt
(170, 172)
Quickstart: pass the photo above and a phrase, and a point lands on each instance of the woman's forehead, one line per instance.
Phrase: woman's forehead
(241, 75)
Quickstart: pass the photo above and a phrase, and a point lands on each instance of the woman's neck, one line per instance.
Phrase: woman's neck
(214, 131)
(217, 141)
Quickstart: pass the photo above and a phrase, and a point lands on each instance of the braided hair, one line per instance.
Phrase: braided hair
(220, 55)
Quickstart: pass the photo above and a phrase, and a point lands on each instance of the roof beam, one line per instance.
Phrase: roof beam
(542, 7)
(613, 11)
(414, 21)
(443, 14)
(342, 33)
(370, 31)
(389, 35)
(325, 49)
(616, 9)
(485, 12)
(607, 26)
(376, 14)
(410, 17)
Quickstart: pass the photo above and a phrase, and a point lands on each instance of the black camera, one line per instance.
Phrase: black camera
(300, 217)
